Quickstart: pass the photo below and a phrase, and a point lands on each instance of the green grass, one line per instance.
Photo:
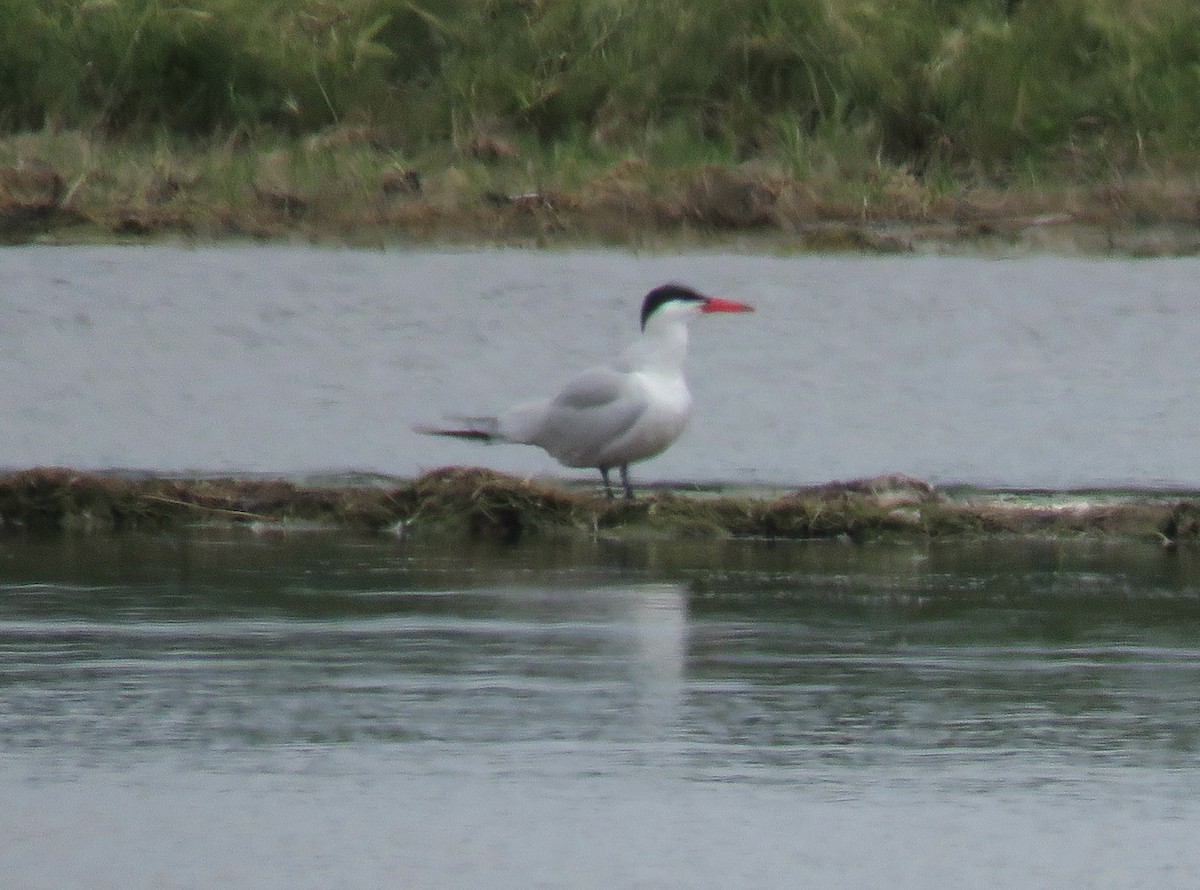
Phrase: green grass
(855, 109)
(921, 82)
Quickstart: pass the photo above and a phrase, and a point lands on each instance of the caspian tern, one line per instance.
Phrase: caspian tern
(613, 416)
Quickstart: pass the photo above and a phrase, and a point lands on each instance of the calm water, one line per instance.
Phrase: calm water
(1031, 371)
(224, 709)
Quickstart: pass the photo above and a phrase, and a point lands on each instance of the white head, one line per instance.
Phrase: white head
(666, 312)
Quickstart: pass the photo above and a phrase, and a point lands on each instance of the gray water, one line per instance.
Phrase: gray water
(226, 709)
(230, 709)
(1030, 371)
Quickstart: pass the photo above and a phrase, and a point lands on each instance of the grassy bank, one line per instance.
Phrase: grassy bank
(824, 122)
(463, 503)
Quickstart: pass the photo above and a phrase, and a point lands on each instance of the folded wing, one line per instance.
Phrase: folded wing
(579, 425)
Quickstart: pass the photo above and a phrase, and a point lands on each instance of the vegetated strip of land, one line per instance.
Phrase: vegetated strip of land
(475, 503)
(871, 125)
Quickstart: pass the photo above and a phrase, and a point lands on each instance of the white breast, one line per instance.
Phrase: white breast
(668, 408)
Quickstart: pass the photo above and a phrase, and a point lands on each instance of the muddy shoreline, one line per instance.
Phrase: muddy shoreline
(729, 207)
(472, 504)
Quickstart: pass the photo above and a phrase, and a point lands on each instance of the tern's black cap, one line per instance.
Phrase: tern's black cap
(666, 293)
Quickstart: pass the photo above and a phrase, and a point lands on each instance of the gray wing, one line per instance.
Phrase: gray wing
(598, 388)
(592, 411)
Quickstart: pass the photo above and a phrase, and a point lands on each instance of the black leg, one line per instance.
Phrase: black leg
(625, 482)
(607, 485)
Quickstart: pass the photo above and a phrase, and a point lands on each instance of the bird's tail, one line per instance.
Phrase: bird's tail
(478, 429)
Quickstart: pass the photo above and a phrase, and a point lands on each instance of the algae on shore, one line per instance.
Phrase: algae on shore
(469, 503)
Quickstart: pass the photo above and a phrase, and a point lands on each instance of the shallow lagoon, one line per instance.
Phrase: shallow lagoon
(313, 710)
(323, 710)
(1027, 371)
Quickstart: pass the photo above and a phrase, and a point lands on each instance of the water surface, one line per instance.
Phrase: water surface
(316, 710)
(230, 709)
(1026, 371)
